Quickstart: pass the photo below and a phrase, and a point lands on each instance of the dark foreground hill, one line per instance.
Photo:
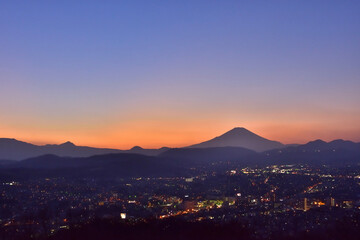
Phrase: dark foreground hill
(174, 162)
(336, 153)
(202, 156)
(108, 165)
(263, 228)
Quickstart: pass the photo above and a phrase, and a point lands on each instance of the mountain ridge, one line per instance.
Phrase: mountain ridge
(181, 161)
(13, 149)
(239, 137)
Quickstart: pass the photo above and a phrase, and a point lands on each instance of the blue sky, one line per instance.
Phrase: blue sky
(152, 73)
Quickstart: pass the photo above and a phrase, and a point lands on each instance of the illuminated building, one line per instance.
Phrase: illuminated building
(306, 207)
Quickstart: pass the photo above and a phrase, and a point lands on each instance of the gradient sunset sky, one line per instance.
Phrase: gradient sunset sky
(173, 73)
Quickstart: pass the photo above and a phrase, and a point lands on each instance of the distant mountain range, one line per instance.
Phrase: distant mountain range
(338, 152)
(238, 144)
(179, 161)
(12, 149)
(182, 161)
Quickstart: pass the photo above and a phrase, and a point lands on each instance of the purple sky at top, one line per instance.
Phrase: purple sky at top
(153, 73)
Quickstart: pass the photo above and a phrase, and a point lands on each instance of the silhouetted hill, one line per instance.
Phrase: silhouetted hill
(148, 152)
(240, 137)
(18, 150)
(4, 162)
(13, 149)
(49, 161)
(126, 163)
(54, 161)
(333, 145)
(108, 165)
(318, 152)
(201, 156)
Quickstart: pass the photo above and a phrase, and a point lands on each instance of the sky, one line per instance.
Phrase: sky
(173, 73)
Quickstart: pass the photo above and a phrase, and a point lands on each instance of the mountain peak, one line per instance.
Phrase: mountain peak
(136, 148)
(316, 142)
(7, 140)
(237, 131)
(67, 144)
(240, 137)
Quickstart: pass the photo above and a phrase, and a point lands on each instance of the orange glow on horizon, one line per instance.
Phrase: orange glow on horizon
(159, 134)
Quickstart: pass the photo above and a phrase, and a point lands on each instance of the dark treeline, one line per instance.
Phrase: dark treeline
(176, 229)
